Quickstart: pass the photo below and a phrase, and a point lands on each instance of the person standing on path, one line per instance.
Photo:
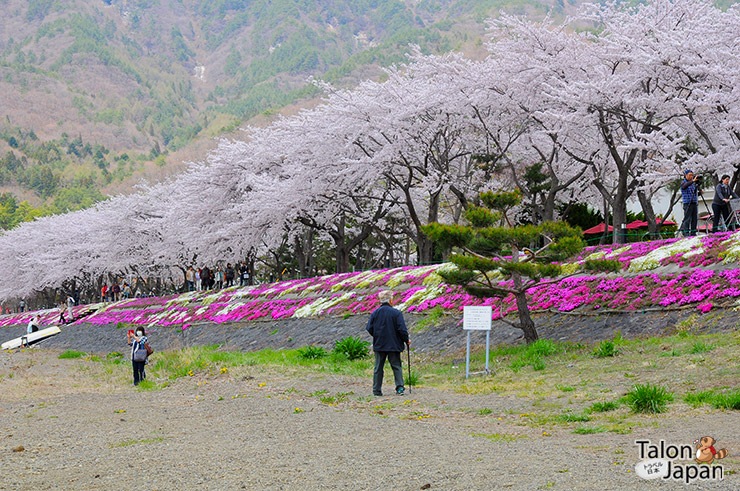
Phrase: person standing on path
(138, 341)
(388, 329)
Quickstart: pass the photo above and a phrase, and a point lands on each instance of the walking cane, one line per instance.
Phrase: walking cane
(408, 353)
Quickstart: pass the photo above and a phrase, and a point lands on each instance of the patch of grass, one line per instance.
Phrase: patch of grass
(603, 407)
(728, 400)
(565, 388)
(498, 437)
(572, 418)
(430, 319)
(647, 398)
(533, 355)
(485, 411)
(114, 355)
(583, 430)
(312, 352)
(412, 379)
(544, 347)
(538, 364)
(699, 347)
(71, 354)
(696, 399)
(687, 327)
(336, 398)
(619, 429)
(672, 353)
(603, 265)
(145, 385)
(605, 349)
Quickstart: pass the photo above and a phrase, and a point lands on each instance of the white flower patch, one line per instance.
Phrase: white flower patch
(732, 252)
(320, 305)
(652, 259)
(241, 291)
(365, 277)
(209, 299)
(695, 252)
(183, 299)
(420, 296)
(228, 308)
(434, 278)
(403, 276)
(371, 278)
(595, 255)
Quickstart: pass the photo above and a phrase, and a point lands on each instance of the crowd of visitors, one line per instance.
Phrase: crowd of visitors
(222, 277)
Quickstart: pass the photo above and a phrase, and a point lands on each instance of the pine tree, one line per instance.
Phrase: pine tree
(493, 252)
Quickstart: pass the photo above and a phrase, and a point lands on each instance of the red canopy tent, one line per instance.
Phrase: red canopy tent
(641, 224)
(598, 229)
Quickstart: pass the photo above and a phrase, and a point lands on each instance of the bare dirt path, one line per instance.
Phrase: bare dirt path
(81, 426)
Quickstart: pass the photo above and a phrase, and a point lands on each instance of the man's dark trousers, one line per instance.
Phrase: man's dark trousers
(690, 214)
(394, 358)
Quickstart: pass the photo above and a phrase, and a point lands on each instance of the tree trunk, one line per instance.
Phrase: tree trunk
(619, 210)
(424, 246)
(649, 212)
(526, 324)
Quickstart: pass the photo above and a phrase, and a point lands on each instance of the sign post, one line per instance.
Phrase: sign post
(477, 318)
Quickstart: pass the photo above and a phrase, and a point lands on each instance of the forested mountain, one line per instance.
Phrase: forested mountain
(95, 94)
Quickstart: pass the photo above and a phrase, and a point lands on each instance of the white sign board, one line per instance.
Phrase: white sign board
(477, 318)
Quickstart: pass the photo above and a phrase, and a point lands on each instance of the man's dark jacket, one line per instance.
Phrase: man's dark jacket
(388, 329)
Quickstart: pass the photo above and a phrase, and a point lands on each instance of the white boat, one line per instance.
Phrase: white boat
(31, 338)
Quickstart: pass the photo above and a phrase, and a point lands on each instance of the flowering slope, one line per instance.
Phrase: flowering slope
(698, 272)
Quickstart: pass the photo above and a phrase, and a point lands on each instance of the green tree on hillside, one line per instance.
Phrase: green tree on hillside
(493, 252)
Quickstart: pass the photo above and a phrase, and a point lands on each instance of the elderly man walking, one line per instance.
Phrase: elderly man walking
(388, 329)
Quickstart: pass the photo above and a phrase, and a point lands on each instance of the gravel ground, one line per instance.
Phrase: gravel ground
(82, 426)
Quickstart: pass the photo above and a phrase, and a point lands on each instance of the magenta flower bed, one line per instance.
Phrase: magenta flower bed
(356, 293)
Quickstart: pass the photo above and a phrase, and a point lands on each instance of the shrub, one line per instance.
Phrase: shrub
(605, 349)
(312, 352)
(70, 354)
(353, 347)
(648, 398)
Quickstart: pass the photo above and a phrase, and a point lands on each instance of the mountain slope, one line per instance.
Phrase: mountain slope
(130, 81)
